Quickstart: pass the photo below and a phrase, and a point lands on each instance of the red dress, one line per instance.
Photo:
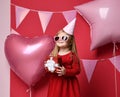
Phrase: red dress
(67, 85)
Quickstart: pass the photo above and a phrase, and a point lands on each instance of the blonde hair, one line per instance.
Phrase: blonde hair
(72, 46)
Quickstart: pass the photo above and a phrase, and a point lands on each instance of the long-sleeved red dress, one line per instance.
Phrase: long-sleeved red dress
(66, 85)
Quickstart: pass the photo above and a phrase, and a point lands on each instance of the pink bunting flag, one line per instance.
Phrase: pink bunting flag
(89, 67)
(45, 18)
(21, 13)
(69, 15)
(116, 62)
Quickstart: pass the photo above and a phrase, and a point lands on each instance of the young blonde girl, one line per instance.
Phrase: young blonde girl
(63, 81)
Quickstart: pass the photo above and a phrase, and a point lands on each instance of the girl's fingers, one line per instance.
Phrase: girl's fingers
(59, 67)
(59, 72)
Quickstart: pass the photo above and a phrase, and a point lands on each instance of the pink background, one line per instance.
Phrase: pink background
(102, 83)
(4, 31)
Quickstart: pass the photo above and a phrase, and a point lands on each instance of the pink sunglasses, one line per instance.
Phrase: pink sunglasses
(64, 38)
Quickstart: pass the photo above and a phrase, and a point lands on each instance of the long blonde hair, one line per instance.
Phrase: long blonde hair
(72, 46)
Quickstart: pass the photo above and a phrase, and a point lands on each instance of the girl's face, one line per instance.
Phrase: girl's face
(62, 40)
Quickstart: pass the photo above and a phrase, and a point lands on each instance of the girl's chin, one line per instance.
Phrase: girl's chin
(60, 44)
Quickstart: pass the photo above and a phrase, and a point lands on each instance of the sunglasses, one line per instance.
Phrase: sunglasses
(64, 38)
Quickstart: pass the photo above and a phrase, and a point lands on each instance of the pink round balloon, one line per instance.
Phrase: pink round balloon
(26, 56)
(103, 16)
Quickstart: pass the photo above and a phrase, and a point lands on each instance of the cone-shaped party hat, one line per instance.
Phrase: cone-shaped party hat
(69, 28)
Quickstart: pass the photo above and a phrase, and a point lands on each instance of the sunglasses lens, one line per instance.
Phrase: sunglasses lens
(56, 38)
(64, 38)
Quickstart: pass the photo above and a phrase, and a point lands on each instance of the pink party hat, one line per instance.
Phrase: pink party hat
(70, 27)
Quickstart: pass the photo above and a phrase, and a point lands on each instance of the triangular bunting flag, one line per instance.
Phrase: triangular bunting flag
(116, 62)
(69, 15)
(20, 14)
(89, 67)
(45, 18)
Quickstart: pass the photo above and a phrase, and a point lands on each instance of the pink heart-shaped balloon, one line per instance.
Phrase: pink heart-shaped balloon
(26, 56)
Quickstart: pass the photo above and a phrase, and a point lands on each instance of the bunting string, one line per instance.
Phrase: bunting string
(115, 71)
(44, 16)
(42, 10)
(30, 91)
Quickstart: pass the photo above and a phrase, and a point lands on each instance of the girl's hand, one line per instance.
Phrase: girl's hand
(60, 71)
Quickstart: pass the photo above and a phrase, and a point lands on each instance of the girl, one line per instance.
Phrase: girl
(63, 81)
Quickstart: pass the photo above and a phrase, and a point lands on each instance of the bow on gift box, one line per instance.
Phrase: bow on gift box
(51, 65)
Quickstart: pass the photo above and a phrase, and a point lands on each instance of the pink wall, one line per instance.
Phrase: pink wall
(102, 83)
(4, 31)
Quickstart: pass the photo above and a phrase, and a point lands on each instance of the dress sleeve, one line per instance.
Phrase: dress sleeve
(75, 67)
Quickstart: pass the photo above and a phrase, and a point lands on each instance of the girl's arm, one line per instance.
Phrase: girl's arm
(71, 71)
(75, 67)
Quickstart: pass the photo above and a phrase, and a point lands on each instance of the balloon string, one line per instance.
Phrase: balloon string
(114, 61)
(30, 91)
(114, 48)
